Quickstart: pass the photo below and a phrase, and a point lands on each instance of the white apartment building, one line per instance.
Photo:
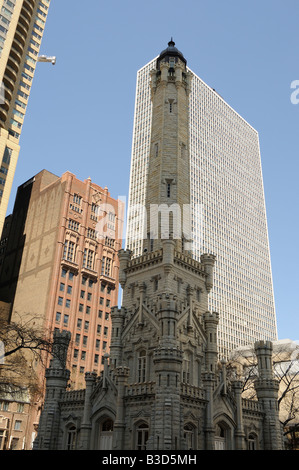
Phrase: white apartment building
(228, 207)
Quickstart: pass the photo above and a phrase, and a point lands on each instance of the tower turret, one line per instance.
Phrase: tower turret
(57, 377)
(267, 391)
(211, 321)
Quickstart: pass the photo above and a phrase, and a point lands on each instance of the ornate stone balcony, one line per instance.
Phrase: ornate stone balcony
(107, 280)
(70, 265)
(251, 405)
(73, 396)
(90, 273)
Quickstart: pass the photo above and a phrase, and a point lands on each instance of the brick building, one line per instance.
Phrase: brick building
(59, 264)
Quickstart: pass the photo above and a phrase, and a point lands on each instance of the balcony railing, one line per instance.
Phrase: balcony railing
(146, 388)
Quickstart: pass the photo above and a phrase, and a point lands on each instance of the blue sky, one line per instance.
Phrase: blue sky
(80, 114)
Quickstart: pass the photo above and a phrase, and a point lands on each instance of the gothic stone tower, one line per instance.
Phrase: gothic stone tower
(164, 388)
(168, 188)
(164, 339)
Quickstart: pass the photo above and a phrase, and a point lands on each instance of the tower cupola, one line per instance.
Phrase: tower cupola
(171, 54)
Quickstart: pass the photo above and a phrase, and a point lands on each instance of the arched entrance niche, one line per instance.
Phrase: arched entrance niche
(103, 433)
(223, 436)
(141, 435)
(189, 436)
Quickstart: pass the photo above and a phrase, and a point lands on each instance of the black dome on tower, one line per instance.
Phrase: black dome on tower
(170, 52)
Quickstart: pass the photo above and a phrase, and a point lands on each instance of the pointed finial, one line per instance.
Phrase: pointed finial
(171, 42)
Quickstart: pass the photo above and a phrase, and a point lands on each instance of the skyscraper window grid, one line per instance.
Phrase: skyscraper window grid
(229, 215)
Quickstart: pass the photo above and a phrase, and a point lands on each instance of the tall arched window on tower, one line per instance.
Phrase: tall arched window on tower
(189, 436)
(142, 431)
(186, 367)
(141, 365)
(106, 434)
(71, 438)
(252, 441)
(171, 62)
(222, 436)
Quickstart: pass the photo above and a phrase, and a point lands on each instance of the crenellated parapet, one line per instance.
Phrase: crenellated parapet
(167, 302)
(62, 374)
(122, 372)
(61, 341)
(168, 353)
(191, 265)
(211, 321)
(167, 362)
(264, 350)
(118, 314)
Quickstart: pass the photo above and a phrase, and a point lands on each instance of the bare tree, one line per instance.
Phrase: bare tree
(24, 347)
(286, 371)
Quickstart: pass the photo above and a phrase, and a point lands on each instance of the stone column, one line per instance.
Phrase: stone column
(85, 430)
(267, 392)
(211, 321)
(57, 377)
(117, 319)
(209, 428)
(122, 374)
(166, 431)
(239, 433)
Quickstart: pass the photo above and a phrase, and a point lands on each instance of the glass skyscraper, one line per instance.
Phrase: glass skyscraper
(228, 208)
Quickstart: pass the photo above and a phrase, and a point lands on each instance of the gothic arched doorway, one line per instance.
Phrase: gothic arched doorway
(142, 433)
(189, 436)
(106, 434)
(220, 437)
